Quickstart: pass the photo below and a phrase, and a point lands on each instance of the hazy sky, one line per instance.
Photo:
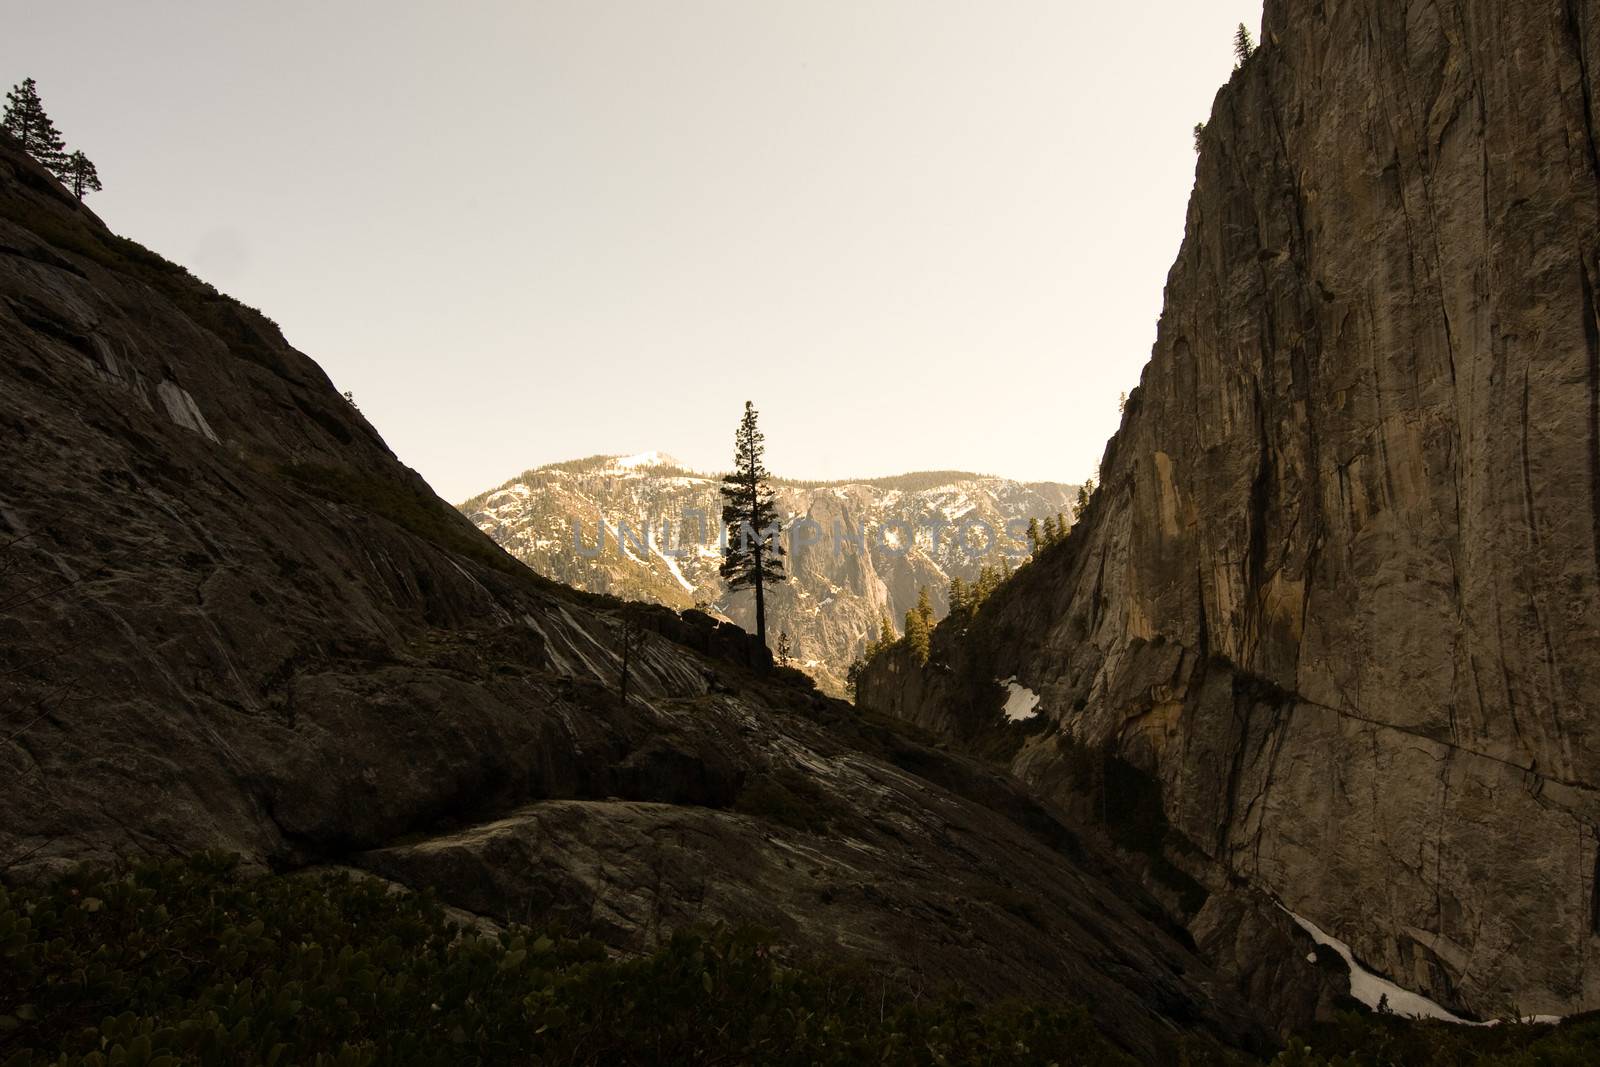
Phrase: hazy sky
(919, 234)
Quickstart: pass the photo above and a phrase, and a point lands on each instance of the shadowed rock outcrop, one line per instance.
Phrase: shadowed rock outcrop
(1338, 592)
(231, 619)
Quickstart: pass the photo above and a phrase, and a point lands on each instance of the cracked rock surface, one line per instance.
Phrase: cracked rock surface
(1338, 591)
(231, 619)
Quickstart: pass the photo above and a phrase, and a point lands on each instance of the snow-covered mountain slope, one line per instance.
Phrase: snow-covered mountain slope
(868, 548)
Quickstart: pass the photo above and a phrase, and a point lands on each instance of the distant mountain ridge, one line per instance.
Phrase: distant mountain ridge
(662, 528)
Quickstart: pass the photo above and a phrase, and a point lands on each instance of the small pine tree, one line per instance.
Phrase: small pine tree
(886, 634)
(988, 580)
(958, 596)
(1122, 403)
(1049, 531)
(1063, 527)
(1244, 46)
(785, 646)
(1035, 536)
(919, 627)
(852, 674)
(83, 178)
(1085, 492)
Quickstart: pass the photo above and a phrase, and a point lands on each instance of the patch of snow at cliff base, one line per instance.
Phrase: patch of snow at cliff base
(1022, 703)
(1370, 989)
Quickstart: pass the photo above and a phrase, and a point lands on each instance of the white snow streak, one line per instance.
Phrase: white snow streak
(1370, 989)
(672, 565)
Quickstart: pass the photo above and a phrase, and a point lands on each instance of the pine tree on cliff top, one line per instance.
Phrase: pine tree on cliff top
(1244, 46)
(25, 119)
(752, 557)
(919, 627)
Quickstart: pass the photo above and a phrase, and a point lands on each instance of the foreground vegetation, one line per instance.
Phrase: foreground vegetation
(181, 962)
(1361, 1039)
(186, 962)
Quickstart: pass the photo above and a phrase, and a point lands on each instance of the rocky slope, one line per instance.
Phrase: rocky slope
(231, 619)
(663, 533)
(1339, 593)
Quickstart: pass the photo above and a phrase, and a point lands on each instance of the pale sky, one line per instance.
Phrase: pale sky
(919, 234)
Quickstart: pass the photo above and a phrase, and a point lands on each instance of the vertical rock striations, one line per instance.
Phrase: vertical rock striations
(1340, 591)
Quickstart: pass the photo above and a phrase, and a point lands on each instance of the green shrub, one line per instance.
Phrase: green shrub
(182, 962)
(185, 962)
(1364, 1039)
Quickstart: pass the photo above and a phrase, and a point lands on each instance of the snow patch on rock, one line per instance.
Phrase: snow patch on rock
(646, 459)
(1022, 703)
(1371, 989)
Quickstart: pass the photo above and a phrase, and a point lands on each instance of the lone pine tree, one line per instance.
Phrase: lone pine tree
(25, 119)
(751, 556)
(1244, 46)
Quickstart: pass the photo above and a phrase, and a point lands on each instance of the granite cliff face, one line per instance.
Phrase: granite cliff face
(1340, 592)
(231, 619)
(908, 535)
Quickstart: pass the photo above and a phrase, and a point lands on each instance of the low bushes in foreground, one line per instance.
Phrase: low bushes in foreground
(185, 961)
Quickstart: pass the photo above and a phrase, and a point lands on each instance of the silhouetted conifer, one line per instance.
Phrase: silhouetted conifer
(25, 119)
(752, 557)
(1244, 46)
(81, 176)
